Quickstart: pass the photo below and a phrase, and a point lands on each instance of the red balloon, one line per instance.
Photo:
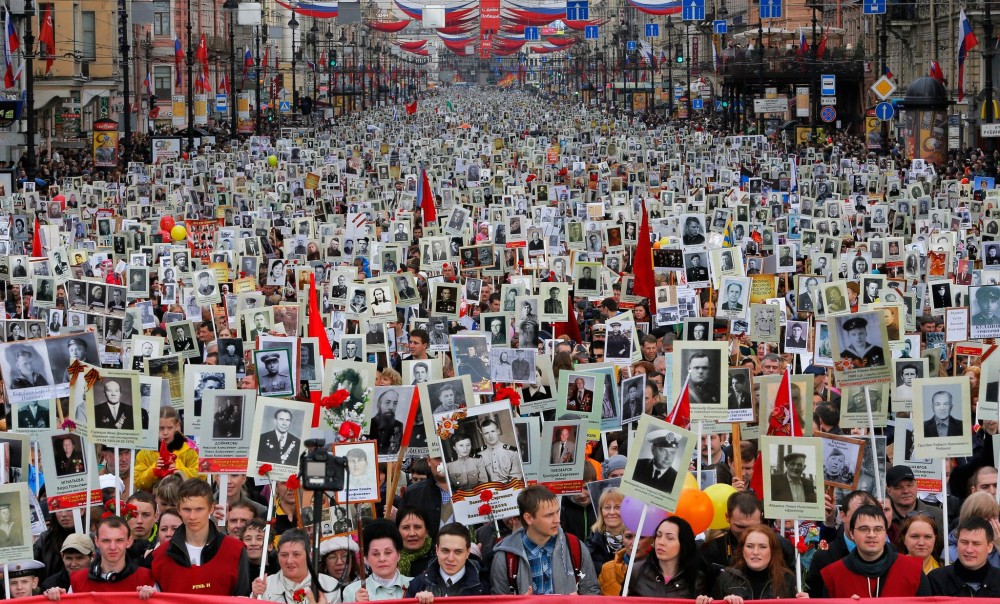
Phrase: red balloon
(695, 507)
(184, 155)
(965, 181)
(167, 223)
(165, 236)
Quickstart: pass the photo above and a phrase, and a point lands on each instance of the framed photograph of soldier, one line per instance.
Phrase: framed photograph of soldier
(796, 337)
(657, 463)
(274, 372)
(834, 299)
(481, 451)
(633, 395)
(224, 440)
(905, 372)
(34, 417)
(114, 410)
(15, 449)
(361, 480)
(555, 302)
(942, 417)
(563, 446)
(169, 368)
(198, 380)
(181, 337)
(985, 311)
(697, 330)
(585, 279)
(734, 295)
(539, 395)
(28, 372)
(618, 346)
(206, 288)
(842, 459)
(352, 349)
(740, 400)
(579, 396)
(793, 470)
(421, 372)
(443, 396)
(860, 346)
(387, 418)
(696, 267)
(70, 468)
(702, 365)
(278, 429)
(527, 431)
(854, 402)
(497, 326)
(926, 470)
(15, 526)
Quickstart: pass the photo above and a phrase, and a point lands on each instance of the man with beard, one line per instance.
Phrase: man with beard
(385, 428)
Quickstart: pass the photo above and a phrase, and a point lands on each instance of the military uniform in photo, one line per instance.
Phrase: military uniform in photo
(277, 382)
(501, 462)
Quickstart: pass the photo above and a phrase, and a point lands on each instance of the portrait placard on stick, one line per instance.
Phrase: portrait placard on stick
(278, 428)
(224, 439)
(655, 473)
(942, 417)
(15, 530)
(70, 471)
(563, 446)
(792, 471)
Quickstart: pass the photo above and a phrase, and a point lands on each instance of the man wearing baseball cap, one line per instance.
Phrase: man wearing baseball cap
(77, 553)
(901, 487)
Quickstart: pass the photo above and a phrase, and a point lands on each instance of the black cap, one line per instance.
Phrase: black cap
(897, 474)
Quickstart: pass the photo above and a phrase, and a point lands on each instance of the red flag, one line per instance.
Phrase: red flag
(202, 53)
(642, 265)
(783, 421)
(411, 108)
(36, 242)
(680, 415)
(821, 47)
(47, 36)
(318, 331)
(426, 199)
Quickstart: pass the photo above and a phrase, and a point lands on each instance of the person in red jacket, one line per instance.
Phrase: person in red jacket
(874, 569)
(199, 559)
(113, 570)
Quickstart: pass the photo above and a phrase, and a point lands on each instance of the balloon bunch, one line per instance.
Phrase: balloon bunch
(703, 510)
(170, 230)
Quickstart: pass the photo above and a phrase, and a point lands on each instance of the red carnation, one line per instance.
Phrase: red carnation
(293, 482)
(485, 509)
(486, 495)
(349, 430)
(334, 400)
(264, 469)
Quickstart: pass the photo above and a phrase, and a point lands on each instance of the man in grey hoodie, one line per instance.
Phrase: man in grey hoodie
(544, 553)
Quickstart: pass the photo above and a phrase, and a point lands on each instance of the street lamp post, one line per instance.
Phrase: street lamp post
(190, 83)
(760, 68)
(231, 6)
(293, 24)
(256, 82)
(723, 15)
(884, 43)
(330, 60)
(29, 86)
(670, 67)
(313, 39)
(123, 52)
(814, 77)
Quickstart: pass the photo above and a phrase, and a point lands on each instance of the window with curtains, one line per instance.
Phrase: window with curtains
(163, 80)
(88, 42)
(161, 18)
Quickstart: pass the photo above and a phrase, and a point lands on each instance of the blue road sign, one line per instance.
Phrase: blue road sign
(885, 111)
(531, 33)
(630, 45)
(828, 85)
(694, 10)
(772, 9)
(577, 10)
(652, 30)
(221, 102)
(590, 32)
(874, 7)
(718, 106)
(697, 104)
(720, 26)
(285, 106)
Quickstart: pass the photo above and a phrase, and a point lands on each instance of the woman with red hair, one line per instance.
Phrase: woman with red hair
(758, 571)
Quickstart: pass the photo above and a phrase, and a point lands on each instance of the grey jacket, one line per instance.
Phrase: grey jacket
(564, 582)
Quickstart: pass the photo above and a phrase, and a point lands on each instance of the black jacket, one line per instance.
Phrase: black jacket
(430, 580)
(733, 582)
(576, 519)
(60, 579)
(945, 581)
(718, 553)
(600, 553)
(425, 495)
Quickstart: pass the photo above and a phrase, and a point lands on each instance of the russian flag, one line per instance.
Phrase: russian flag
(803, 43)
(11, 45)
(178, 59)
(887, 72)
(149, 84)
(966, 42)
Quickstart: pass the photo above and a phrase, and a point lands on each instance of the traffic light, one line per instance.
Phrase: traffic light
(725, 104)
(333, 58)
(680, 54)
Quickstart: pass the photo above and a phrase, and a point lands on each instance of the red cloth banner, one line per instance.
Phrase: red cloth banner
(489, 16)
(161, 598)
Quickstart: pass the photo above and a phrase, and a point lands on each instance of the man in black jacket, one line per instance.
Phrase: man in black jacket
(451, 573)
(971, 576)
(427, 495)
(838, 548)
(743, 511)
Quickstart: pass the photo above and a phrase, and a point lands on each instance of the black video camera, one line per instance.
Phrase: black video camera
(320, 469)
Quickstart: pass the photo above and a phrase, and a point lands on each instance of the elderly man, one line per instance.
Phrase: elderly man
(272, 380)
(385, 428)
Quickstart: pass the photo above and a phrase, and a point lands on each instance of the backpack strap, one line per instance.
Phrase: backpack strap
(574, 554)
(512, 563)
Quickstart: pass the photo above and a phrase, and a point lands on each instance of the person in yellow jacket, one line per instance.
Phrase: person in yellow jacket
(175, 454)
(612, 575)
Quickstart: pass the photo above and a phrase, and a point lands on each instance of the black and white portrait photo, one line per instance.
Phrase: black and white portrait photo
(388, 419)
(657, 461)
(280, 431)
(632, 398)
(942, 417)
(793, 475)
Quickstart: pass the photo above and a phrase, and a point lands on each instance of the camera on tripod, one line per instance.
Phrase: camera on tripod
(320, 469)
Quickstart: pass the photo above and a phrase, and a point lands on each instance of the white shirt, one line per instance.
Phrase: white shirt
(194, 553)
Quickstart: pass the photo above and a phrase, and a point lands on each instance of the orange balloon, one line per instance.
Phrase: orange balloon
(656, 245)
(695, 507)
